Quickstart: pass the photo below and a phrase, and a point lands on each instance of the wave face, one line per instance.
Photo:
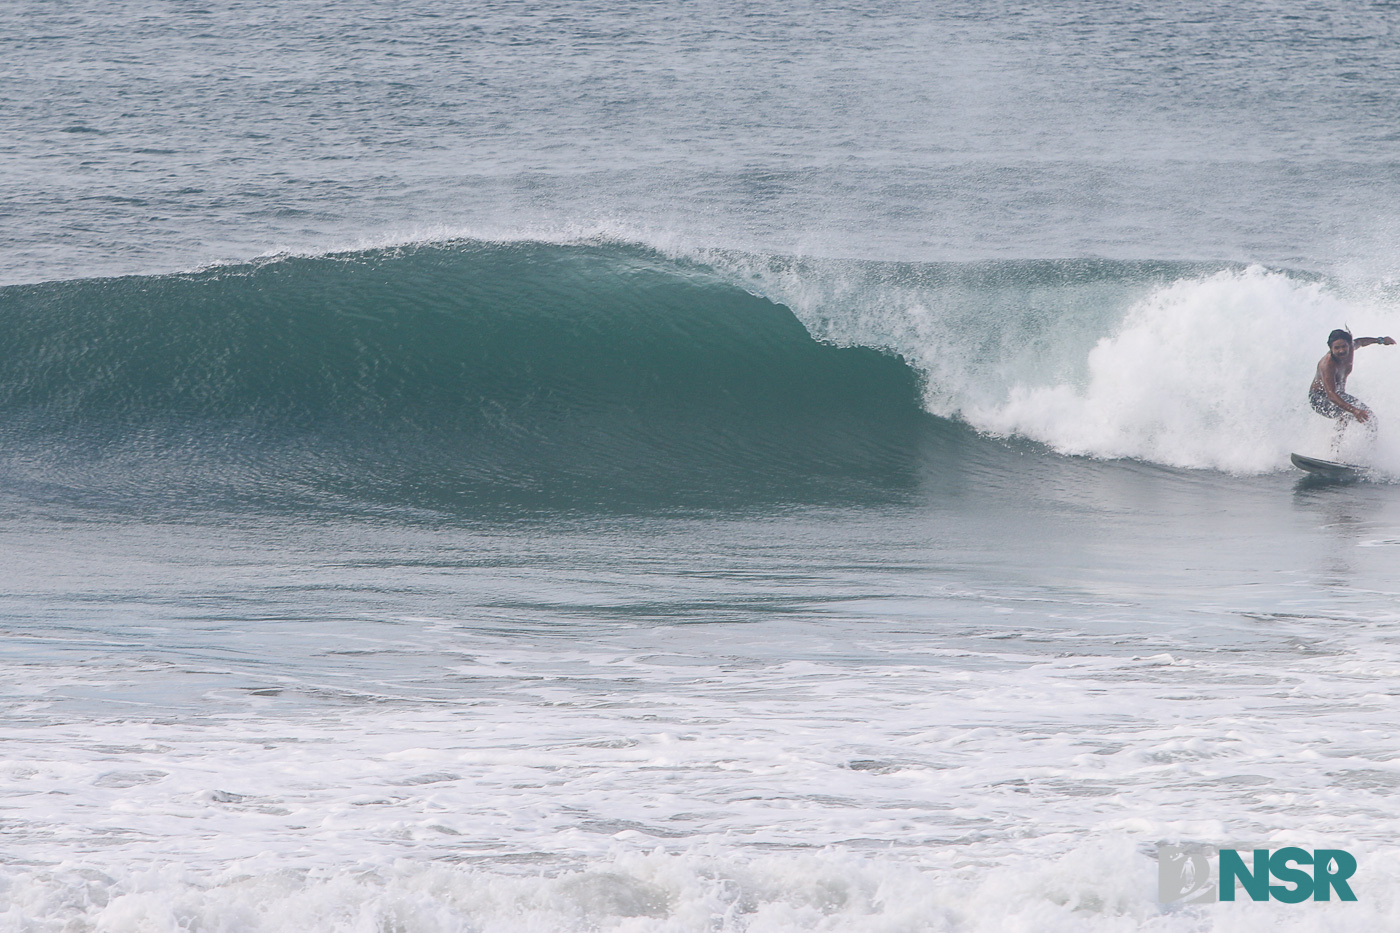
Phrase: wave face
(446, 375)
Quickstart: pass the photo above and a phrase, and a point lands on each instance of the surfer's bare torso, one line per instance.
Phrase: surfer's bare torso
(1332, 374)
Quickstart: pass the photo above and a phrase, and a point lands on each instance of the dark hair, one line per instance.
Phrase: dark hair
(1338, 334)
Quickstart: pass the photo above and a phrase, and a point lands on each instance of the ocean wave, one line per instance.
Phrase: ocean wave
(447, 373)
(457, 374)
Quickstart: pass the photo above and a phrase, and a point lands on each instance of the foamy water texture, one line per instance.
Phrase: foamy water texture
(987, 792)
(1213, 373)
(966, 792)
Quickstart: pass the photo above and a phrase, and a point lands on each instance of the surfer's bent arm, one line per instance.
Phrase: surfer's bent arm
(1327, 380)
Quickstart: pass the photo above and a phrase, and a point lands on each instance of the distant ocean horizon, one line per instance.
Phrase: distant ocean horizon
(690, 467)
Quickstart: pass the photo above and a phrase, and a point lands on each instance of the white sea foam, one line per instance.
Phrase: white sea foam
(1206, 371)
(1095, 887)
(667, 790)
(1212, 373)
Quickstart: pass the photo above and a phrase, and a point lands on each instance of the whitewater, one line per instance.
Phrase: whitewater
(690, 467)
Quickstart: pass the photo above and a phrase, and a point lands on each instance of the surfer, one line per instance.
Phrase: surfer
(1327, 394)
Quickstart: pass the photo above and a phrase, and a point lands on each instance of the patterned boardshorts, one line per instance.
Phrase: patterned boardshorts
(1328, 408)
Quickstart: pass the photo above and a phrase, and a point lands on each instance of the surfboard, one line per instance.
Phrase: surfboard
(1327, 469)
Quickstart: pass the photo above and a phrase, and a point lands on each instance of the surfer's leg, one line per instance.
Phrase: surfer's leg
(1329, 409)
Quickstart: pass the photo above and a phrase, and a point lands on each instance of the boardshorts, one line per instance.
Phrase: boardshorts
(1324, 406)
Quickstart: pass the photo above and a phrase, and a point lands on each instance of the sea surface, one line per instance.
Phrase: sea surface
(691, 466)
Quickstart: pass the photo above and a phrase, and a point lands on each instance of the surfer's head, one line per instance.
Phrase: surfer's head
(1339, 341)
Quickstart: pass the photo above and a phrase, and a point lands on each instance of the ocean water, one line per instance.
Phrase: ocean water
(690, 466)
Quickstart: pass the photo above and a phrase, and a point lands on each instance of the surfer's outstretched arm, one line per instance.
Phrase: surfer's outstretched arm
(1367, 341)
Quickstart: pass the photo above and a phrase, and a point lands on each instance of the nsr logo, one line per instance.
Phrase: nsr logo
(1184, 875)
